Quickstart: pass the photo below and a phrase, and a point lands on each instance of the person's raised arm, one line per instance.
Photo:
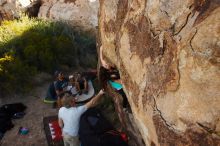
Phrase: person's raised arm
(103, 62)
(93, 102)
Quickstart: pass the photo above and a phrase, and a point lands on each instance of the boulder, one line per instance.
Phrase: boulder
(79, 13)
(168, 56)
(11, 9)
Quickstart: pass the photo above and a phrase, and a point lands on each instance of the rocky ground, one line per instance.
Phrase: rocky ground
(33, 119)
(37, 110)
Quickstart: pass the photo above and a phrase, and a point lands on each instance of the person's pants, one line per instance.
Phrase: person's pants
(70, 140)
(125, 100)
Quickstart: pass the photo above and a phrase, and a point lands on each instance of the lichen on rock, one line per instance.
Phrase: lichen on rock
(167, 53)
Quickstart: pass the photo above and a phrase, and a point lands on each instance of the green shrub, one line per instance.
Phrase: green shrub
(37, 45)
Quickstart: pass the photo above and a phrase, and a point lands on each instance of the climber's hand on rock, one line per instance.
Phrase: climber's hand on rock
(101, 92)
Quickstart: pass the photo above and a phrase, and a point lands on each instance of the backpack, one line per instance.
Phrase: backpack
(113, 138)
(51, 93)
(95, 130)
(11, 109)
(7, 112)
(5, 122)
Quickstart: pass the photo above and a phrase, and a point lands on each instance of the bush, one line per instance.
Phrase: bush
(28, 46)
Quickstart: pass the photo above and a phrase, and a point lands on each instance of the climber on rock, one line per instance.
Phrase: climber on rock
(111, 75)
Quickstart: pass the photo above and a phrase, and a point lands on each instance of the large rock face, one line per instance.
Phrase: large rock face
(82, 13)
(9, 9)
(168, 56)
(79, 13)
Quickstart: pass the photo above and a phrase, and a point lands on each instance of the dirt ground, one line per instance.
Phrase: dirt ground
(33, 119)
(37, 110)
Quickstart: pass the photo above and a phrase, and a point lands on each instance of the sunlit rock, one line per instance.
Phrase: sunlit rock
(81, 13)
(12, 9)
(167, 53)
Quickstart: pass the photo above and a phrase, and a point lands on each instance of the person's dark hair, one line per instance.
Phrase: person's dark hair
(113, 74)
(56, 73)
(67, 99)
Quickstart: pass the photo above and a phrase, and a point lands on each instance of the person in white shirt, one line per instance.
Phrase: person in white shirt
(72, 86)
(69, 117)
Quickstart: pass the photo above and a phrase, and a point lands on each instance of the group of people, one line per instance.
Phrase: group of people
(66, 91)
(77, 84)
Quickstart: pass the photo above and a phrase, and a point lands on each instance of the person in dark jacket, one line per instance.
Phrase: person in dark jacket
(56, 89)
(81, 84)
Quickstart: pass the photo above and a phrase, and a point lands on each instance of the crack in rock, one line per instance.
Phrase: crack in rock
(208, 129)
(160, 114)
(190, 42)
(187, 19)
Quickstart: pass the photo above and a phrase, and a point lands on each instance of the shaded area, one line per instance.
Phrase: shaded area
(33, 9)
(122, 108)
(29, 46)
(126, 119)
(205, 8)
(35, 112)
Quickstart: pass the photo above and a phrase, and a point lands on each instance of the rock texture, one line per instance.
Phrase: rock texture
(168, 56)
(8, 10)
(11, 9)
(81, 13)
